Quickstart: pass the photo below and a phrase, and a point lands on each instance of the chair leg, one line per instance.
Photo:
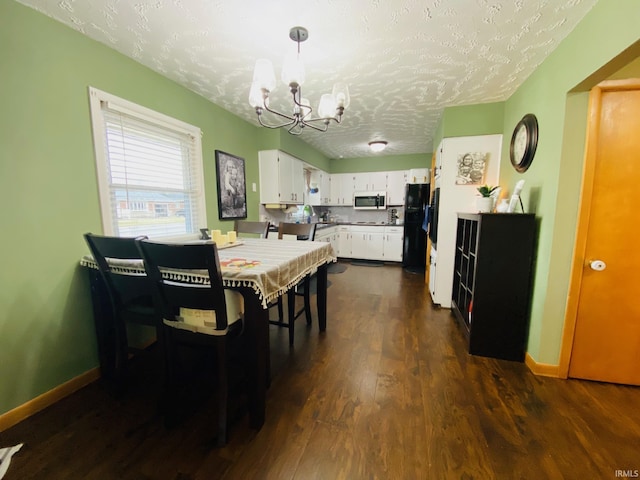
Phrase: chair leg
(223, 391)
(121, 356)
(170, 388)
(307, 299)
(280, 310)
(291, 303)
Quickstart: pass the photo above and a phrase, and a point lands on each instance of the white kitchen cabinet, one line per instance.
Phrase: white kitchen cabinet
(364, 241)
(367, 242)
(396, 181)
(296, 182)
(344, 241)
(419, 175)
(329, 235)
(324, 234)
(370, 182)
(325, 188)
(360, 182)
(321, 180)
(377, 181)
(335, 239)
(281, 178)
(342, 189)
(392, 248)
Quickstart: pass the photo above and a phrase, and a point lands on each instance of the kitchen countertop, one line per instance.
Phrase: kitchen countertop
(322, 225)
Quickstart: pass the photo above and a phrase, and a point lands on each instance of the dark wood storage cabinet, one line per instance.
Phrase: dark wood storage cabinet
(492, 281)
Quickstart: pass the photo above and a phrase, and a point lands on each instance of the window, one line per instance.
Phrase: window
(149, 169)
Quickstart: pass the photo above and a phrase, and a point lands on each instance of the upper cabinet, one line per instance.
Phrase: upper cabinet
(396, 181)
(285, 179)
(370, 182)
(419, 175)
(319, 188)
(342, 188)
(281, 178)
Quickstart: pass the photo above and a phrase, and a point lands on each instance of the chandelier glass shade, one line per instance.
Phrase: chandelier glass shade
(331, 106)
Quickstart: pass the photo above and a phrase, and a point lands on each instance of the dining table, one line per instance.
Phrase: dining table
(261, 270)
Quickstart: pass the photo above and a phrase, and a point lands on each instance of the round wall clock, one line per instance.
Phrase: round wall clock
(524, 142)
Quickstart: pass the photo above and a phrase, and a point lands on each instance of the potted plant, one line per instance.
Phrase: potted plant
(485, 202)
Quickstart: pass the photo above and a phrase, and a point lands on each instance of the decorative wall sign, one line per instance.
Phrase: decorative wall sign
(471, 168)
(232, 190)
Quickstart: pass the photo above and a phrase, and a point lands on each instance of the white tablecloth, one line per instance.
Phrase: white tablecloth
(269, 267)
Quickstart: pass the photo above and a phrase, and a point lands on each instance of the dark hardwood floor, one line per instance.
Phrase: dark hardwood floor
(388, 392)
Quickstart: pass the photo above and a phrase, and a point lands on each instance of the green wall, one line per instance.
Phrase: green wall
(552, 184)
(556, 93)
(481, 119)
(280, 139)
(380, 163)
(48, 178)
(468, 120)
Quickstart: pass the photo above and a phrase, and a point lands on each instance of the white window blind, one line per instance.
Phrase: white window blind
(150, 173)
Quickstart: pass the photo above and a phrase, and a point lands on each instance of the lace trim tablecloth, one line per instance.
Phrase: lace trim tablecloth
(269, 267)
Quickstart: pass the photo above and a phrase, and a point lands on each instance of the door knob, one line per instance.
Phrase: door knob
(597, 265)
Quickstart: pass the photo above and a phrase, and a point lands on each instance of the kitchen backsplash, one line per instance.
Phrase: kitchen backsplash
(337, 214)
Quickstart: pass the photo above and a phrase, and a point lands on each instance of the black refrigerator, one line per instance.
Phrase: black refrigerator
(414, 253)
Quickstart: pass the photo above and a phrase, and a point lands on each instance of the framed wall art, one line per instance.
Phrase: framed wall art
(471, 168)
(232, 190)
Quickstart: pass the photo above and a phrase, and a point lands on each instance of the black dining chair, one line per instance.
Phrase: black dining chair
(196, 316)
(301, 232)
(258, 228)
(129, 298)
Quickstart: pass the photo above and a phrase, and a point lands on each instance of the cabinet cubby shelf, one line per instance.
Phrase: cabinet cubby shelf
(492, 282)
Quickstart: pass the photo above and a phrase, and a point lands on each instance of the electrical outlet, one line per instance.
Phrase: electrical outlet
(253, 187)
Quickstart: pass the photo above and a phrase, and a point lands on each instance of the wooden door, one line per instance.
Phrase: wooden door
(606, 342)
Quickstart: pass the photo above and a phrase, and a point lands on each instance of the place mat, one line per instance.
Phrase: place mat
(237, 263)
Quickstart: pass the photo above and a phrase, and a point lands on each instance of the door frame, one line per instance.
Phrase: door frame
(584, 211)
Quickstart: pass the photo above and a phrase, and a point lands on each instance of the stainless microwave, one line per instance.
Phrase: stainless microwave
(370, 200)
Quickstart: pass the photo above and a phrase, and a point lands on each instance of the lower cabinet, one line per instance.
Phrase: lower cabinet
(329, 235)
(344, 242)
(367, 243)
(392, 249)
(364, 242)
(492, 282)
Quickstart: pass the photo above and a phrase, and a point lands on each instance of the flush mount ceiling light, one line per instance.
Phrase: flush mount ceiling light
(377, 146)
(330, 108)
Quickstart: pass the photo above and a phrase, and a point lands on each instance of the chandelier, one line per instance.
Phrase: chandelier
(330, 108)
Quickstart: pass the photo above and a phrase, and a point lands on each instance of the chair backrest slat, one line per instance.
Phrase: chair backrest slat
(245, 226)
(171, 294)
(121, 288)
(304, 231)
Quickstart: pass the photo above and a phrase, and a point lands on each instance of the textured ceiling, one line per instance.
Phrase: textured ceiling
(404, 60)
